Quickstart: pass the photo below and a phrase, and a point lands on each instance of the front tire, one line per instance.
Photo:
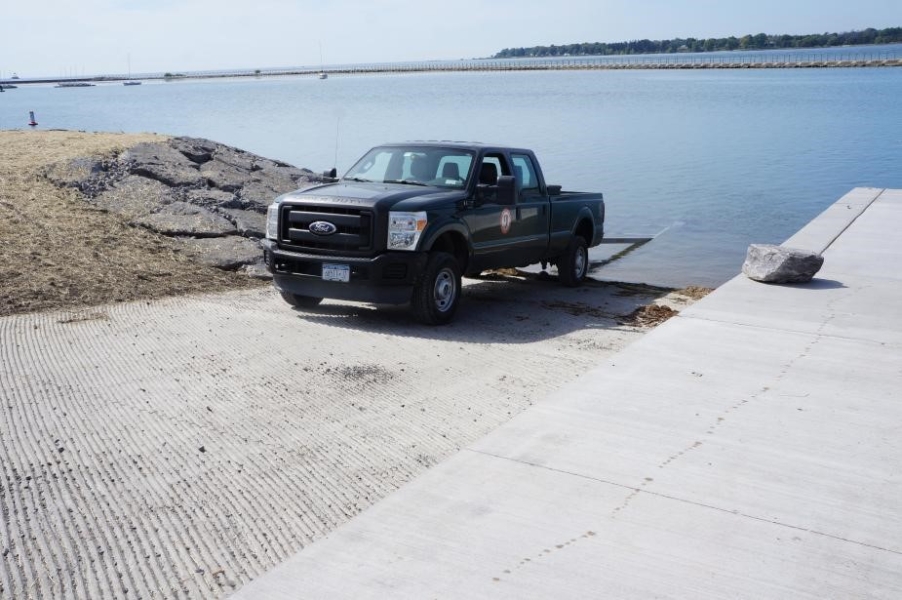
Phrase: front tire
(436, 295)
(299, 301)
(573, 265)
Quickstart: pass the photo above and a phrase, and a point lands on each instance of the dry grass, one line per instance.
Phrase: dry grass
(694, 292)
(57, 251)
(649, 315)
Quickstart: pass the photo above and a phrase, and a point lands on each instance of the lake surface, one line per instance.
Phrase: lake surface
(711, 159)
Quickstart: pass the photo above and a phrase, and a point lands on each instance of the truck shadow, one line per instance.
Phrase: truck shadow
(509, 307)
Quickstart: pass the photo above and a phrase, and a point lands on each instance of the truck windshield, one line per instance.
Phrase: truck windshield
(414, 165)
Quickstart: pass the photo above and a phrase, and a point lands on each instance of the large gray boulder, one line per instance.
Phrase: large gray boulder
(134, 196)
(221, 175)
(226, 253)
(163, 163)
(197, 150)
(777, 264)
(209, 196)
(249, 224)
(257, 195)
(184, 219)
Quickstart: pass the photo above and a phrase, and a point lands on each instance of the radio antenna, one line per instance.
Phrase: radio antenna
(337, 125)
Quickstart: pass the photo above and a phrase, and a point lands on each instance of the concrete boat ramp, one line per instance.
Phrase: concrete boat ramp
(750, 448)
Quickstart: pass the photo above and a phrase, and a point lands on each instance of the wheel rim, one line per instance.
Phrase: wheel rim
(580, 263)
(445, 290)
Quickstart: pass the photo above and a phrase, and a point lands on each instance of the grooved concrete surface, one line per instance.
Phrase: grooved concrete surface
(179, 448)
(749, 448)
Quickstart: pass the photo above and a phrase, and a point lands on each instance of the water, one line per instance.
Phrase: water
(716, 159)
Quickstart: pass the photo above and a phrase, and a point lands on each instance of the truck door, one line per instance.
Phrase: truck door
(532, 213)
(489, 222)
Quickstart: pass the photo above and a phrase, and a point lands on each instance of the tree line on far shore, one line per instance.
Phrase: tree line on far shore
(761, 41)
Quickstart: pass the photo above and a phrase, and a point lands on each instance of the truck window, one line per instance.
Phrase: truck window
(450, 170)
(525, 173)
(500, 168)
(436, 166)
(373, 166)
(416, 166)
(454, 168)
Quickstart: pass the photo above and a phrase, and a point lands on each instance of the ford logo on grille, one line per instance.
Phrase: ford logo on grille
(322, 228)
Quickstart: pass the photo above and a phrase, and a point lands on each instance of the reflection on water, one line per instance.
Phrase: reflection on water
(717, 159)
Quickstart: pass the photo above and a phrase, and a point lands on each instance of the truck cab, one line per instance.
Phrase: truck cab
(408, 220)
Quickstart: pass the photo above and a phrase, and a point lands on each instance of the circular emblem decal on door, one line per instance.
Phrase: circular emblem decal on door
(505, 221)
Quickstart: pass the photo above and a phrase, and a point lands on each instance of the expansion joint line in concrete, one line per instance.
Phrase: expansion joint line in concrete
(636, 491)
(816, 333)
(850, 223)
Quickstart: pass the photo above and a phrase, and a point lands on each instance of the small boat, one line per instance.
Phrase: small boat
(322, 70)
(130, 81)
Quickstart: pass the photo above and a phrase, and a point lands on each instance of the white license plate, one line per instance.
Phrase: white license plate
(336, 272)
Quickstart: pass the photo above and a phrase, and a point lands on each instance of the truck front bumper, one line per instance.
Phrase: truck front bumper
(387, 278)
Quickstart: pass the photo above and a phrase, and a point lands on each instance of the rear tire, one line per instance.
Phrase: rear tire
(436, 295)
(299, 301)
(573, 265)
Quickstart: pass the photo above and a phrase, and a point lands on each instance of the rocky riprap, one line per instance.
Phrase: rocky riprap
(210, 197)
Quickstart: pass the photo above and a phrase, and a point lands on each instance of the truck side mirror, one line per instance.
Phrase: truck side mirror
(507, 190)
(554, 190)
(331, 173)
(483, 193)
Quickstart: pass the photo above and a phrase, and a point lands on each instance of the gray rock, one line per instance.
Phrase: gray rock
(237, 159)
(776, 264)
(90, 176)
(257, 195)
(257, 270)
(164, 164)
(135, 196)
(227, 253)
(248, 223)
(223, 176)
(75, 172)
(196, 150)
(210, 196)
(183, 219)
(280, 175)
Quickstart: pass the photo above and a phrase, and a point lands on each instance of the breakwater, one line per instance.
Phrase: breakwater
(786, 61)
(731, 60)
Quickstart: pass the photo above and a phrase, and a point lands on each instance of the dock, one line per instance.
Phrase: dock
(750, 447)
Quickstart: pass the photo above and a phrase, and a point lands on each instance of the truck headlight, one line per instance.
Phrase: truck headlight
(404, 229)
(272, 222)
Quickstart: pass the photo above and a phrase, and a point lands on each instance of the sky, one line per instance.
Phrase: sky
(50, 38)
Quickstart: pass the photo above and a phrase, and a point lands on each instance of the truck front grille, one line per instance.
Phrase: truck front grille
(353, 228)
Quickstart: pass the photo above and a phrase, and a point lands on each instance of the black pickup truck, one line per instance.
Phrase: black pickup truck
(408, 220)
